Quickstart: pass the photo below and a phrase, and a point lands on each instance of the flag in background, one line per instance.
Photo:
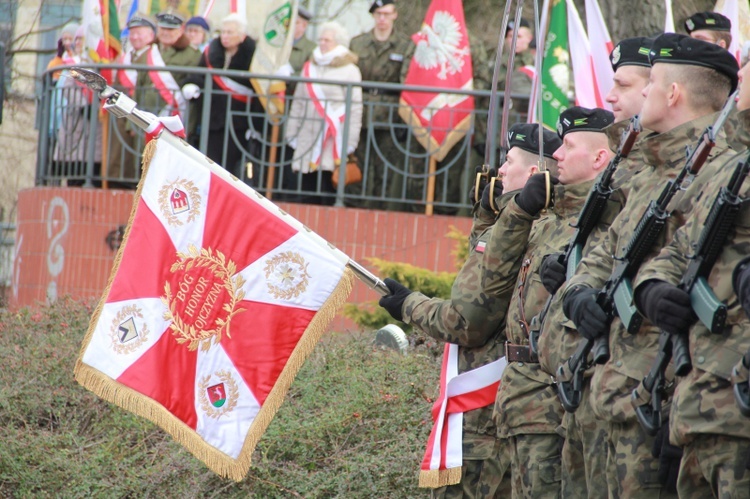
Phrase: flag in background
(533, 114)
(585, 86)
(272, 50)
(669, 19)
(131, 12)
(731, 9)
(215, 300)
(442, 58)
(601, 47)
(101, 29)
(555, 75)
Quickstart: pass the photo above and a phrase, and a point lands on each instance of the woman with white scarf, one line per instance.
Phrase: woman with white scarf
(318, 114)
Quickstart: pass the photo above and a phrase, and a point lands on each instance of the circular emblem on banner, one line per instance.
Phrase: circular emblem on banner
(218, 394)
(180, 202)
(201, 295)
(128, 331)
(277, 23)
(286, 275)
(690, 24)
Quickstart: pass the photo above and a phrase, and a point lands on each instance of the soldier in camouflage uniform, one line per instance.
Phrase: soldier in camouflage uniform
(704, 418)
(384, 56)
(689, 81)
(475, 321)
(527, 410)
(584, 452)
(523, 67)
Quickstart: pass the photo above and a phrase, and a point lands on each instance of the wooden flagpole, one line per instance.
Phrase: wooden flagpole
(272, 161)
(429, 207)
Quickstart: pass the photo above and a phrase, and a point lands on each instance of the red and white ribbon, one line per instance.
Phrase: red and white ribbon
(459, 393)
(172, 123)
(333, 115)
(165, 84)
(238, 92)
(127, 77)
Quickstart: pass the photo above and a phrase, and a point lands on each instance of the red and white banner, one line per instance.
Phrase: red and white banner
(601, 47)
(442, 58)
(459, 393)
(586, 88)
(215, 300)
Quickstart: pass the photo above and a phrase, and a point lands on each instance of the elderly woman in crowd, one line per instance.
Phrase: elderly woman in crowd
(318, 114)
(198, 32)
(230, 99)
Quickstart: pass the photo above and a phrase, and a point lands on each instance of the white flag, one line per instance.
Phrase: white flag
(586, 89)
(601, 46)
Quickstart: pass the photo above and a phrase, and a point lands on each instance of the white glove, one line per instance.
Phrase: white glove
(285, 70)
(191, 91)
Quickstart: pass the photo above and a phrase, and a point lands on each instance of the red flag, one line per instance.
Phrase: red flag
(586, 89)
(216, 299)
(442, 59)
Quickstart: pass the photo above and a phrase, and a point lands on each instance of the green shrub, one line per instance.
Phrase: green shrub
(354, 424)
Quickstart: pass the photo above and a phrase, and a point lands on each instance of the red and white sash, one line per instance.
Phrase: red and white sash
(165, 84)
(333, 116)
(173, 124)
(459, 393)
(238, 92)
(127, 77)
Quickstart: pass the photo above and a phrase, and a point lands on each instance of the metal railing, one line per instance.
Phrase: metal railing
(80, 146)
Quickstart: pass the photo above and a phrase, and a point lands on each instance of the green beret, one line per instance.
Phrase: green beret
(674, 48)
(581, 119)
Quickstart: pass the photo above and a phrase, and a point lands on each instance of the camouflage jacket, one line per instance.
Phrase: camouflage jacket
(182, 54)
(631, 355)
(470, 319)
(386, 62)
(527, 400)
(704, 399)
(558, 339)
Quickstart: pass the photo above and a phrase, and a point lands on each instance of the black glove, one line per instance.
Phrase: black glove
(534, 195)
(741, 284)
(60, 48)
(580, 306)
(667, 306)
(552, 272)
(394, 302)
(482, 181)
(669, 457)
(496, 192)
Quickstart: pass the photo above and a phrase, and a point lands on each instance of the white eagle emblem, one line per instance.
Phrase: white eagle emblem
(437, 45)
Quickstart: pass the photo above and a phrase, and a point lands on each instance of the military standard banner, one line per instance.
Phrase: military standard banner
(215, 300)
(442, 58)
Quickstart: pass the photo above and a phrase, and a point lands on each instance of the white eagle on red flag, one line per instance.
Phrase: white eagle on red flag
(440, 119)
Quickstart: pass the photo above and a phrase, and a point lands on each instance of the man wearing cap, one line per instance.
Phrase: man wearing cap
(384, 56)
(584, 452)
(527, 410)
(302, 47)
(704, 418)
(710, 27)
(475, 321)
(690, 81)
(174, 45)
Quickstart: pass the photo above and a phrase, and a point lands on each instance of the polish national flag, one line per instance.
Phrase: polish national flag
(586, 88)
(601, 47)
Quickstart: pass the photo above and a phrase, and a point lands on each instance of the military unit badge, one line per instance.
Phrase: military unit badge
(128, 331)
(286, 275)
(218, 394)
(180, 202)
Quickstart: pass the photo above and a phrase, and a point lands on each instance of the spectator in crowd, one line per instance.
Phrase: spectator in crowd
(175, 50)
(384, 56)
(302, 48)
(523, 65)
(229, 101)
(198, 32)
(65, 55)
(75, 142)
(710, 27)
(123, 165)
(315, 128)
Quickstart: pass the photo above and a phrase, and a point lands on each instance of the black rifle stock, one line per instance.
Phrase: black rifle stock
(616, 296)
(589, 217)
(716, 230)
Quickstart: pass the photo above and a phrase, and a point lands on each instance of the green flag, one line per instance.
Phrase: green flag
(555, 75)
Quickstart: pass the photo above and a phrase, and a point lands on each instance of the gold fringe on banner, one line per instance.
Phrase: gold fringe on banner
(432, 479)
(141, 405)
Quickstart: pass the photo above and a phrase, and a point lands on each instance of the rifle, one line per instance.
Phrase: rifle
(588, 219)
(716, 230)
(616, 296)
(741, 384)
